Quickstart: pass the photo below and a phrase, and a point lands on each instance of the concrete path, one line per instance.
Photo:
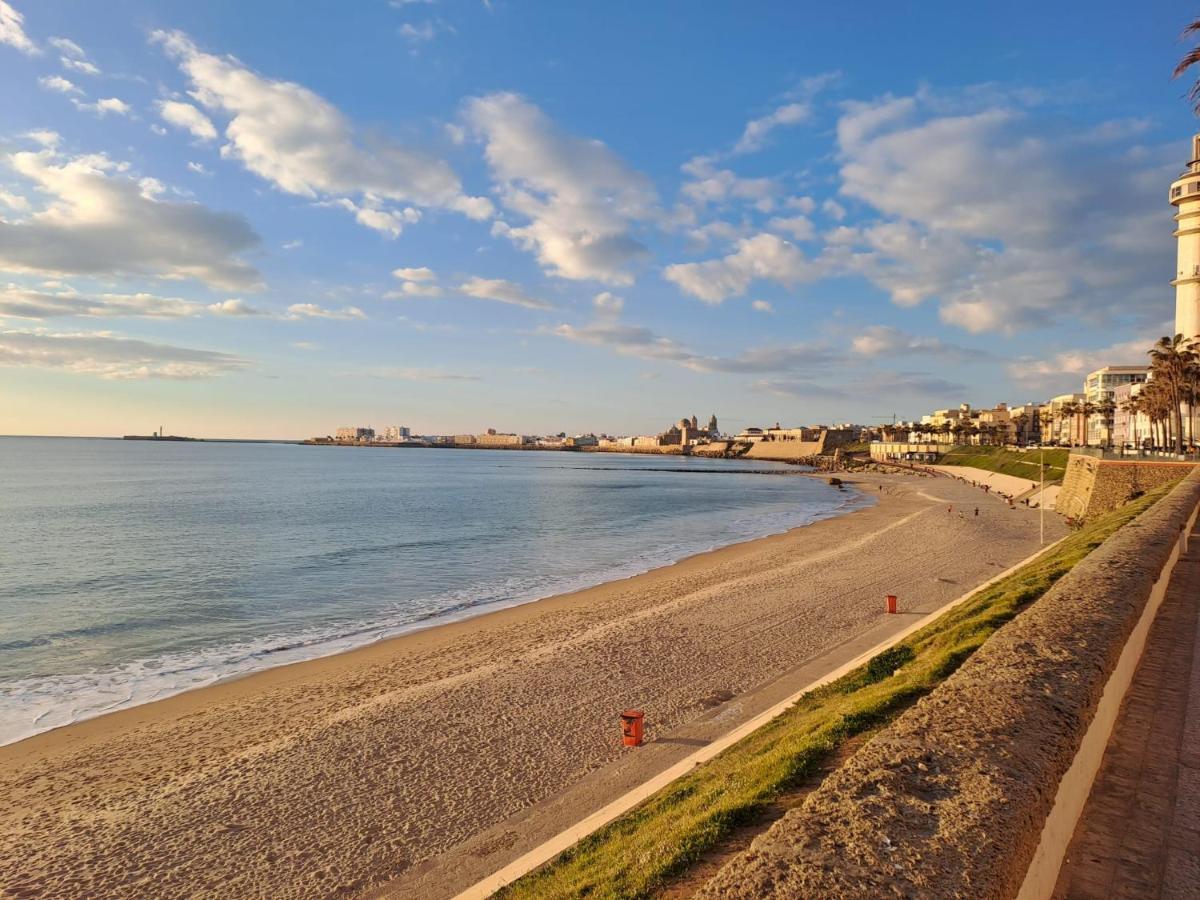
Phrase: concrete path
(1139, 835)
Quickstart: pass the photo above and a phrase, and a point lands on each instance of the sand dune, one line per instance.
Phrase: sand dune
(336, 776)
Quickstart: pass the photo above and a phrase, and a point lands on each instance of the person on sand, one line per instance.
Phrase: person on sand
(977, 510)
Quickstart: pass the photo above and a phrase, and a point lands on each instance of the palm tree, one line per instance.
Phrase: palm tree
(1107, 408)
(1046, 421)
(1190, 59)
(1171, 360)
(1021, 421)
(1069, 411)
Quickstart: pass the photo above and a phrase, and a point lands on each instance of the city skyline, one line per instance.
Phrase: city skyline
(458, 215)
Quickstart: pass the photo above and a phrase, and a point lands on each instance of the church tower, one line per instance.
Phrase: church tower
(1185, 197)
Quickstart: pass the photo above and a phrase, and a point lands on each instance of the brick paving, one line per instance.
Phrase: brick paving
(1139, 835)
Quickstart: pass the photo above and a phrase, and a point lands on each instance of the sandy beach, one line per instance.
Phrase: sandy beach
(370, 770)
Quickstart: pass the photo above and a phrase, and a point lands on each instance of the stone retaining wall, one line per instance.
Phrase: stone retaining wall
(951, 800)
(1092, 487)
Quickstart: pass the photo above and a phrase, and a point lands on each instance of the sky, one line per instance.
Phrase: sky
(267, 220)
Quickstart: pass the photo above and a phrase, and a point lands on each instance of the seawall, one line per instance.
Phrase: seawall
(1092, 486)
(975, 791)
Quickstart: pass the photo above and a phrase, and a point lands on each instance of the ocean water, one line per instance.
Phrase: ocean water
(131, 571)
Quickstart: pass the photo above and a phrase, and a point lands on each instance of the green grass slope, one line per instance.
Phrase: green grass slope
(1021, 463)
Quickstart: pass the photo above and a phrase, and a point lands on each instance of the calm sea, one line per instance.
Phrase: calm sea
(130, 571)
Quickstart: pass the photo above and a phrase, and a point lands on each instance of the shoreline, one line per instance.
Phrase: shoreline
(372, 634)
(349, 772)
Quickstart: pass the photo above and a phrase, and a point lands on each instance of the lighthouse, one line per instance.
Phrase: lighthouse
(1185, 197)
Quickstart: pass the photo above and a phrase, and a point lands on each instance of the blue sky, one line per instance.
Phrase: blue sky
(242, 220)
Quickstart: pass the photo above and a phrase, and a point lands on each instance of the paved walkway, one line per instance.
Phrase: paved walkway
(1139, 835)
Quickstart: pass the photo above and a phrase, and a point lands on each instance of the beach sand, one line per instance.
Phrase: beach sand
(412, 766)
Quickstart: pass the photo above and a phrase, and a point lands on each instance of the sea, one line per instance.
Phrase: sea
(134, 570)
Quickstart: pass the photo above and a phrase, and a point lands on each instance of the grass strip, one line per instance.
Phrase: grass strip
(643, 850)
(1019, 463)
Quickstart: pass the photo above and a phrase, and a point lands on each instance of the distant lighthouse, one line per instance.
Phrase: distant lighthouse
(1185, 197)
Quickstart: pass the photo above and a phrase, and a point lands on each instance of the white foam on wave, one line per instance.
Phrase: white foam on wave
(34, 705)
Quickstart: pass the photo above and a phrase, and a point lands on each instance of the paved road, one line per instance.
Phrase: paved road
(1139, 835)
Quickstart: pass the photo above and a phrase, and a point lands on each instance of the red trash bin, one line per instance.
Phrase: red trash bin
(632, 724)
(892, 603)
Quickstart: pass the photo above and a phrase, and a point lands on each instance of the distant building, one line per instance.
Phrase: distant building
(582, 440)
(493, 438)
(1066, 430)
(394, 434)
(1099, 389)
(685, 432)
(355, 433)
(750, 435)
(1130, 429)
(1027, 424)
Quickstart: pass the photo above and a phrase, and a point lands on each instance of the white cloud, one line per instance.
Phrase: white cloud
(754, 137)
(834, 210)
(234, 306)
(424, 32)
(79, 65)
(98, 220)
(73, 56)
(198, 168)
(578, 199)
(12, 32)
(45, 137)
(799, 227)
(105, 106)
(982, 204)
(762, 306)
(14, 201)
(416, 281)
(1064, 370)
(189, 118)
(881, 385)
(888, 341)
(24, 303)
(109, 356)
(301, 143)
(409, 289)
(68, 47)
(58, 83)
(315, 311)
(708, 184)
(385, 221)
(292, 245)
(641, 342)
(608, 304)
(502, 292)
(418, 273)
(764, 256)
(606, 330)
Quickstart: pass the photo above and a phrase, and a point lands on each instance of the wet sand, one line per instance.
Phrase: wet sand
(343, 775)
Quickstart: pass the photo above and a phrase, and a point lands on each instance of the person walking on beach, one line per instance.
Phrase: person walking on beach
(977, 511)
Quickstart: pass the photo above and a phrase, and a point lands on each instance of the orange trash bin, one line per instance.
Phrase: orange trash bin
(892, 603)
(632, 727)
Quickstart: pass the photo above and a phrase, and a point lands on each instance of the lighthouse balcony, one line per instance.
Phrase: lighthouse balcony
(1189, 190)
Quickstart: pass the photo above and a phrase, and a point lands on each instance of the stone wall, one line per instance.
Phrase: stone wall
(951, 800)
(1092, 486)
(786, 451)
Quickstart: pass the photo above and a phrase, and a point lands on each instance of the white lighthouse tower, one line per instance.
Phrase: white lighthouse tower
(1185, 197)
